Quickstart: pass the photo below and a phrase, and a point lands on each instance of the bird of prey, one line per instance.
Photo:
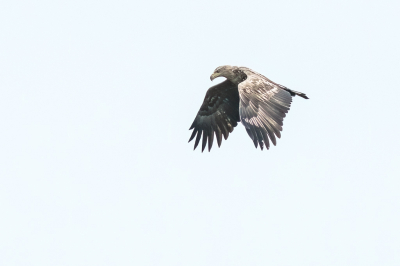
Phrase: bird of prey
(245, 96)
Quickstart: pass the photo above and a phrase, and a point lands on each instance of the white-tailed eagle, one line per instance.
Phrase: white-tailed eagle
(245, 96)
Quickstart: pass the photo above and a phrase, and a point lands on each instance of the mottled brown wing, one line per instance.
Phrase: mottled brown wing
(218, 114)
(263, 106)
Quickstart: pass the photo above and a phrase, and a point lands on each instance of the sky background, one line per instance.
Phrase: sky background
(96, 101)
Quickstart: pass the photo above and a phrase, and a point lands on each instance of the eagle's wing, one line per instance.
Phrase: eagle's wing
(263, 105)
(219, 113)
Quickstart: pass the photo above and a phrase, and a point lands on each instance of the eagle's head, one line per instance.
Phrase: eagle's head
(233, 73)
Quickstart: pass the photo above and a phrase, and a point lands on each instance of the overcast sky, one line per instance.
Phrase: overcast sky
(96, 101)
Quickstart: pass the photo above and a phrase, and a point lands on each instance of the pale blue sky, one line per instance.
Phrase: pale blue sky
(96, 100)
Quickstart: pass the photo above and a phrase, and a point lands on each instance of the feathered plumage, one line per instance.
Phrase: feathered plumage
(246, 96)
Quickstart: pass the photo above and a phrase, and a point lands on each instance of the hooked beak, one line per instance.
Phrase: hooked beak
(214, 75)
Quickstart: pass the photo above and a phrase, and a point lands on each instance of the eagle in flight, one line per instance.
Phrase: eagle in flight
(246, 96)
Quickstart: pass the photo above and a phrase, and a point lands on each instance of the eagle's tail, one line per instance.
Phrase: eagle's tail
(294, 93)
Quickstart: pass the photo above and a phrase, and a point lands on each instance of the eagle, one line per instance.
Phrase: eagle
(245, 96)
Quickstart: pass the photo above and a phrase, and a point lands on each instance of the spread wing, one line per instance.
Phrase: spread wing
(263, 105)
(218, 114)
